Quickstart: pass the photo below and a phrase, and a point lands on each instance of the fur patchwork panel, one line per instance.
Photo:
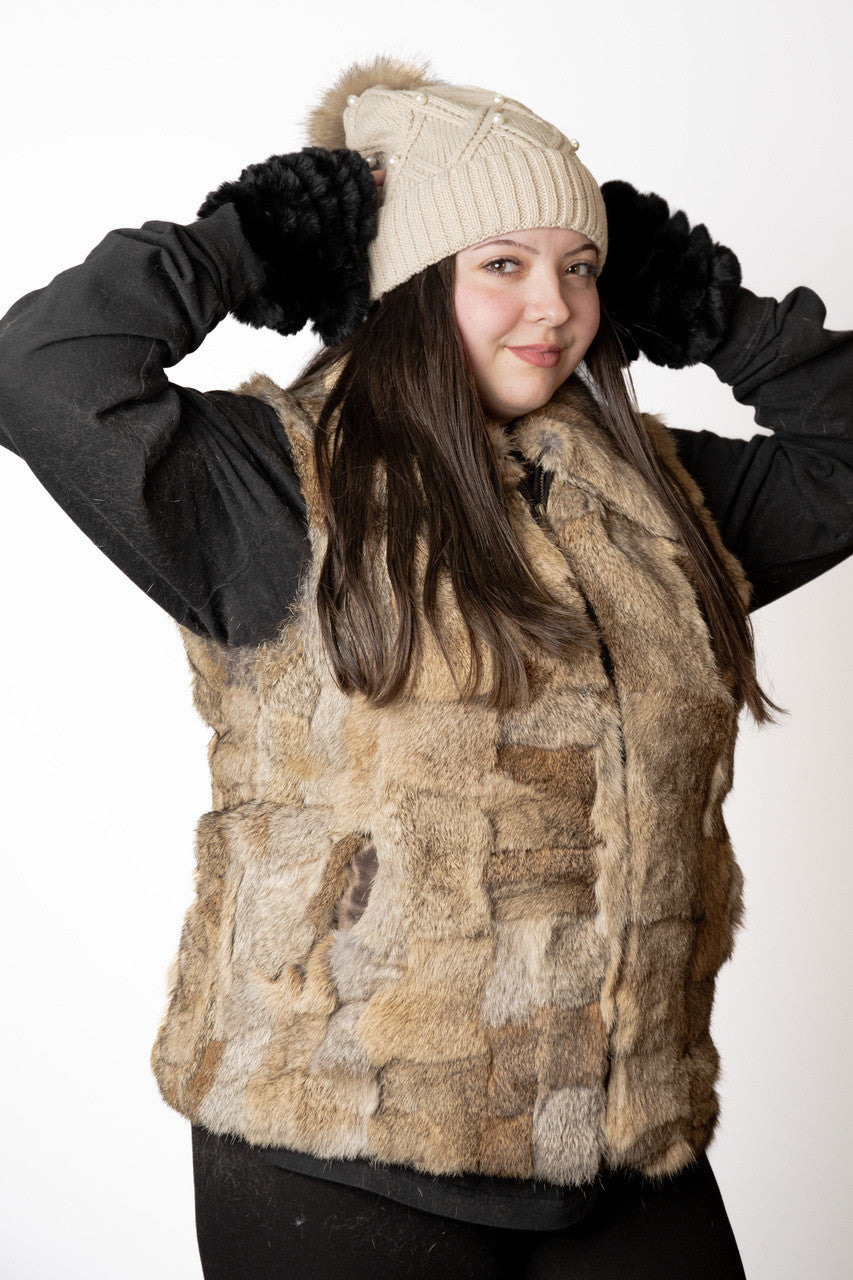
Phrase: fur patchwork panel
(463, 941)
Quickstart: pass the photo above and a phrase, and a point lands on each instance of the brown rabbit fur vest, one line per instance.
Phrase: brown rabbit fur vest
(444, 937)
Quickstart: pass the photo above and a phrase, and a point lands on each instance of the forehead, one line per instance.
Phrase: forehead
(537, 240)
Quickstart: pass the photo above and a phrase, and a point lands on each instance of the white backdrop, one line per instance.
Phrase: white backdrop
(113, 115)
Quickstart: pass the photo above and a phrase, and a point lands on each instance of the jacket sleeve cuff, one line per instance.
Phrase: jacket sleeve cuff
(241, 271)
(747, 322)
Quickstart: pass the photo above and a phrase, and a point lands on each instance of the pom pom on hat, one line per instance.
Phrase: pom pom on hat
(324, 124)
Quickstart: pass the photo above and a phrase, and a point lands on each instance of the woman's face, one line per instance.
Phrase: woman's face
(539, 291)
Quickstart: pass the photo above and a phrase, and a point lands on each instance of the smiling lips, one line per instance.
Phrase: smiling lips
(544, 357)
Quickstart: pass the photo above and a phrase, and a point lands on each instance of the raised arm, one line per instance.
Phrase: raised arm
(784, 503)
(191, 494)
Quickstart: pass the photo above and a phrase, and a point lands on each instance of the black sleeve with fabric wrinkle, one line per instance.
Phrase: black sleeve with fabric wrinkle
(784, 502)
(191, 494)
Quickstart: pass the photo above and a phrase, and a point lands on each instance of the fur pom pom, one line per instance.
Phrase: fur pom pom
(324, 126)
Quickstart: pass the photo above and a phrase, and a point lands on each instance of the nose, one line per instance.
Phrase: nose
(546, 299)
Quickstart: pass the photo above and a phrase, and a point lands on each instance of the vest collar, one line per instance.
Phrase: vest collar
(568, 436)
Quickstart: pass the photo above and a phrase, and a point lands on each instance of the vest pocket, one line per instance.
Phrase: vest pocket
(361, 872)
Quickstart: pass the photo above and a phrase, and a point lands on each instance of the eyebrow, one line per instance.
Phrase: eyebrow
(530, 249)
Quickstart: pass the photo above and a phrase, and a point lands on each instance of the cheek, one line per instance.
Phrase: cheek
(482, 314)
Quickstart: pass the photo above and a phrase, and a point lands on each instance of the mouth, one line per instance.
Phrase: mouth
(546, 357)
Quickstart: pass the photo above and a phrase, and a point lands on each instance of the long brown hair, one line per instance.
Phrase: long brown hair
(408, 400)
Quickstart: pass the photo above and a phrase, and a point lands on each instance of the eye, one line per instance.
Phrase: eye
(592, 270)
(487, 266)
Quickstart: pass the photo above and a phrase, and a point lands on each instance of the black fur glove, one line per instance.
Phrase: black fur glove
(669, 290)
(309, 216)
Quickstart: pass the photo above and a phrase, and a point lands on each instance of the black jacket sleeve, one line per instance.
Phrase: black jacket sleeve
(784, 502)
(193, 495)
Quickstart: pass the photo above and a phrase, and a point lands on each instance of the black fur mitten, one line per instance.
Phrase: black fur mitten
(669, 289)
(309, 216)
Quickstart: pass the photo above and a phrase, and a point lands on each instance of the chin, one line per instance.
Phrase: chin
(526, 401)
(534, 399)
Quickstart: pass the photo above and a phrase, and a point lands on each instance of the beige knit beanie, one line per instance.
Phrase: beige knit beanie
(462, 164)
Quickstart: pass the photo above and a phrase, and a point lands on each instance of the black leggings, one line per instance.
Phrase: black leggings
(256, 1221)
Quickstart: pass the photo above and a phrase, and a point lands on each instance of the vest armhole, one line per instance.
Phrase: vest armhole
(664, 443)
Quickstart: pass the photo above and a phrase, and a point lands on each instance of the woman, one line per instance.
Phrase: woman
(472, 636)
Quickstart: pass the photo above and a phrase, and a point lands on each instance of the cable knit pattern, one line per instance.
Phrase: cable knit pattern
(462, 163)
